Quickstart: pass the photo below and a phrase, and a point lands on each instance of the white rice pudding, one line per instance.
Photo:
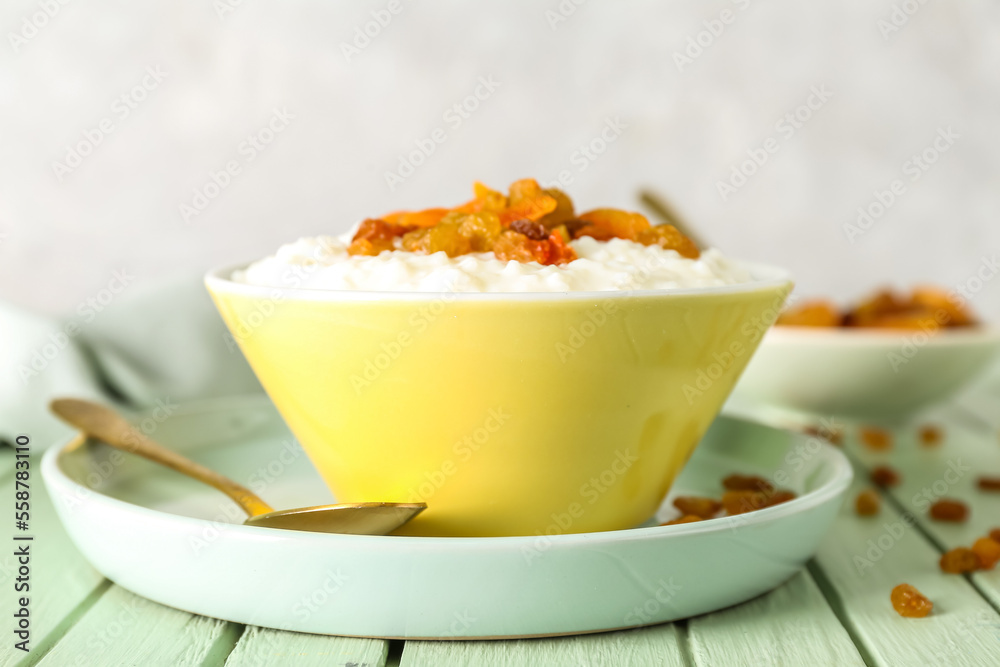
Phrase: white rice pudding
(322, 263)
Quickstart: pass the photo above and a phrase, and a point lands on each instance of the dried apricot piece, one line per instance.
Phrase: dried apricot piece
(909, 602)
(564, 211)
(737, 482)
(687, 518)
(988, 483)
(867, 503)
(527, 200)
(959, 560)
(875, 438)
(885, 476)
(605, 224)
(706, 508)
(947, 509)
(948, 310)
(485, 199)
(669, 237)
(869, 310)
(815, 313)
(988, 551)
(930, 435)
(426, 218)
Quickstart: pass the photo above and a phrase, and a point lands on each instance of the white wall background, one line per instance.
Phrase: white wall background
(61, 239)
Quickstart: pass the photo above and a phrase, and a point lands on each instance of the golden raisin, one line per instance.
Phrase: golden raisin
(816, 313)
(740, 502)
(995, 534)
(669, 237)
(608, 223)
(867, 503)
(875, 438)
(909, 602)
(564, 211)
(959, 560)
(737, 482)
(988, 551)
(527, 200)
(482, 230)
(988, 483)
(930, 435)
(374, 236)
(706, 508)
(885, 476)
(947, 509)
(687, 518)
(778, 497)
(943, 304)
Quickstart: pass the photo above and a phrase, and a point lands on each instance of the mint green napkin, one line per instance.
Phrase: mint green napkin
(156, 344)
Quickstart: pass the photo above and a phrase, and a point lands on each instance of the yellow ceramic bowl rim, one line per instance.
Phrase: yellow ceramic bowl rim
(764, 276)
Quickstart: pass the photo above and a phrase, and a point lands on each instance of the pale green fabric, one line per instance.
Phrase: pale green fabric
(162, 342)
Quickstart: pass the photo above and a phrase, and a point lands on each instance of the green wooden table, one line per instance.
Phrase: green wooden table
(836, 611)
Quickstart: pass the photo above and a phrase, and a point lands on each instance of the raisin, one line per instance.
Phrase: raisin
(444, 237)
(374, 236)
(514, 246)
(669, 237)
(778, 497)
(687, 518)
(947, 509)
(527, 200)
(535, 231)
(485, 199)
(988, 551)
(868, 311)
(988, 483)
(481, 229)
(909, 602)
(740, 502)
(930, 435)
(885, 476)
(959, 560)
(833, 435)
(811, 314)
(867, 503)
(940, 301)
(875, 438)
(737, 482)
(706, 508)
(563, 212)
(608, 223)
(995, 534)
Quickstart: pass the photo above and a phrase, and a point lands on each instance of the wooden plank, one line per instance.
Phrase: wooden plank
(125, 629)
(62, 583)
(791, 625)
(658, 645)
(948, 470)
(863, 558)
(263, 647)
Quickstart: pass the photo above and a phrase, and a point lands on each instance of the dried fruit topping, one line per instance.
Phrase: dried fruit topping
(740, 502)
(816, 313)
(988, 551)
(988, 483)
(930, 435)
(867, 503)
(875, 438)
(374, 236)
(687, 518)
(995, 534)
(959, 560)
(535, 231)
(529, 224)
(737, 482)
(885, 476)
(909, 602)
(947, 509)
(706, 508)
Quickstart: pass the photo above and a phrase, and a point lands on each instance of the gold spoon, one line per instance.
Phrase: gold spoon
(105, 424)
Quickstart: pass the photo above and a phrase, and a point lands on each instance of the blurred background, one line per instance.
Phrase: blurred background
(854, 142)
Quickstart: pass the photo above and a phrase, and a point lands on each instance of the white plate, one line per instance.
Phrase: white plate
(171, 540)
(863, 372)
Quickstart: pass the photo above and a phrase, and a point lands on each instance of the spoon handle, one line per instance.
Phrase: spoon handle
(107, 425)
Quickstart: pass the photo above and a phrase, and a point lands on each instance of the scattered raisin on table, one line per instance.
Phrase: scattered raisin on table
(988, 551)
(930, 435)
(959, 560)
(867, 503)
(706, 508)
(947, 509)
(909, 602)
(875, 438)
(885, 476)
(737, 482)
(988, 483)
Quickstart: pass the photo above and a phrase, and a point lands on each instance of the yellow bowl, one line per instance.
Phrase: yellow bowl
(508, 414)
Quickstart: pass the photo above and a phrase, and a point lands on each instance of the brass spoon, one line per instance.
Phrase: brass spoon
(105, 424)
